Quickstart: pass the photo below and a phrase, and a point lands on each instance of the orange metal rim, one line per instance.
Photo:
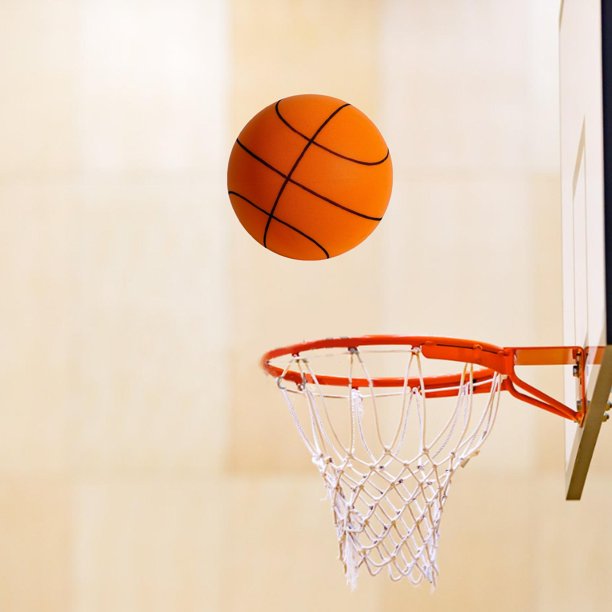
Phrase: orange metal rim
(492, 359)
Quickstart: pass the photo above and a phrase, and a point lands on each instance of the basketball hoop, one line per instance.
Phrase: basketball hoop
(388, 446)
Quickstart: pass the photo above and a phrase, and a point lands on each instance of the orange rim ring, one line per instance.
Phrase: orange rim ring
(492, 359)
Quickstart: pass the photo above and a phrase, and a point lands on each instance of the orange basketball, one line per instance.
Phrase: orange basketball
(309, 177)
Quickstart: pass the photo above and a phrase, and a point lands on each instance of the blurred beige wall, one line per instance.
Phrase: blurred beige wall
(146, 464)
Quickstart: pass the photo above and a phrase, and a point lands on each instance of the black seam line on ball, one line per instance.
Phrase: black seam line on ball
(311, 191)
(331, 151)
(295, 165)
(291, 227)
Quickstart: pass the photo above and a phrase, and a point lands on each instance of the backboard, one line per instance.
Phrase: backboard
(585, 56)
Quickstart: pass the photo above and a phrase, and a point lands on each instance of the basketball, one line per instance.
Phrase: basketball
(309, 177)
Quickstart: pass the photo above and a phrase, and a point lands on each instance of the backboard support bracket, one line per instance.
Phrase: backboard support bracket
(586, 437)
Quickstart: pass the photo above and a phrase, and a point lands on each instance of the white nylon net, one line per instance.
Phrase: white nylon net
(387, 455)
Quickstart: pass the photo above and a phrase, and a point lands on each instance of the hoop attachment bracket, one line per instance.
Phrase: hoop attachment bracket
(551, 355)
